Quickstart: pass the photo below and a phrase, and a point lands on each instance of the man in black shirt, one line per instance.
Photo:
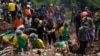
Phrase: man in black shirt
(51, 31)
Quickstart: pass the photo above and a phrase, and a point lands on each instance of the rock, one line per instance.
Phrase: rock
(58, 54)
(98, 54)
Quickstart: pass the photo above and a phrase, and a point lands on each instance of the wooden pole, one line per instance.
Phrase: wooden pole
(12, 53)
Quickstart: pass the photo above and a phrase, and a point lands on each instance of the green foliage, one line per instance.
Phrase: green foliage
(92, 4)
(38, 3)
(68, 14)
(68, 3)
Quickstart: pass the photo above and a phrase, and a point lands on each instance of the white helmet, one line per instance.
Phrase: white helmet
(33, 36)
(18, 33)
(28, 6)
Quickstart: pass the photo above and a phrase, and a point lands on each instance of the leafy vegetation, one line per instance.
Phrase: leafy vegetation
(92, 4)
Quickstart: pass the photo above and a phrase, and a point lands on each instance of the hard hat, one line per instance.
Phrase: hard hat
(65, 24)
(40, 21)
(28, 6)
(18, 32)
(33, 36)
(84, 14)
(51, 4)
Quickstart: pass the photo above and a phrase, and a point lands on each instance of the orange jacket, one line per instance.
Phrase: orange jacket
(18, 22)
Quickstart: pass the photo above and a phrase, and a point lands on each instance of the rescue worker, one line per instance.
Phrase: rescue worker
(28, 20)
(18, 21)
(61, 44)
(28, 11)
(40, 29)
(20, 41)
(89, 21)
(64, 32)
(7, 38)
(19, 7)
(88, 11)
(50, 11)
(78, 20)
(51, 27)
(5, 10)
(12, 8)
(83, 38)
(42, 12)
(36, 42)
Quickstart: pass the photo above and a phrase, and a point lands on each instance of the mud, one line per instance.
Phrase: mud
(4, 26)
(93, 50)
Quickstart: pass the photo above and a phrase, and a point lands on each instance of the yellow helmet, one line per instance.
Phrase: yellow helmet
(51, 4)
(40, 21)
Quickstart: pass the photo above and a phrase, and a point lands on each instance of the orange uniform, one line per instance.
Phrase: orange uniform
(18, 22)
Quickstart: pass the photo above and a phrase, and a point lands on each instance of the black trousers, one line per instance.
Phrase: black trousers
(83, 45)
(13, 14)
(77, 29)
(51, 37)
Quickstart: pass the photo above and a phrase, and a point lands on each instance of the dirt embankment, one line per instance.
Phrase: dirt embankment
(4, 26)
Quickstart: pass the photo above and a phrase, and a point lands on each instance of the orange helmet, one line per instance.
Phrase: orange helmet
(84, 14)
